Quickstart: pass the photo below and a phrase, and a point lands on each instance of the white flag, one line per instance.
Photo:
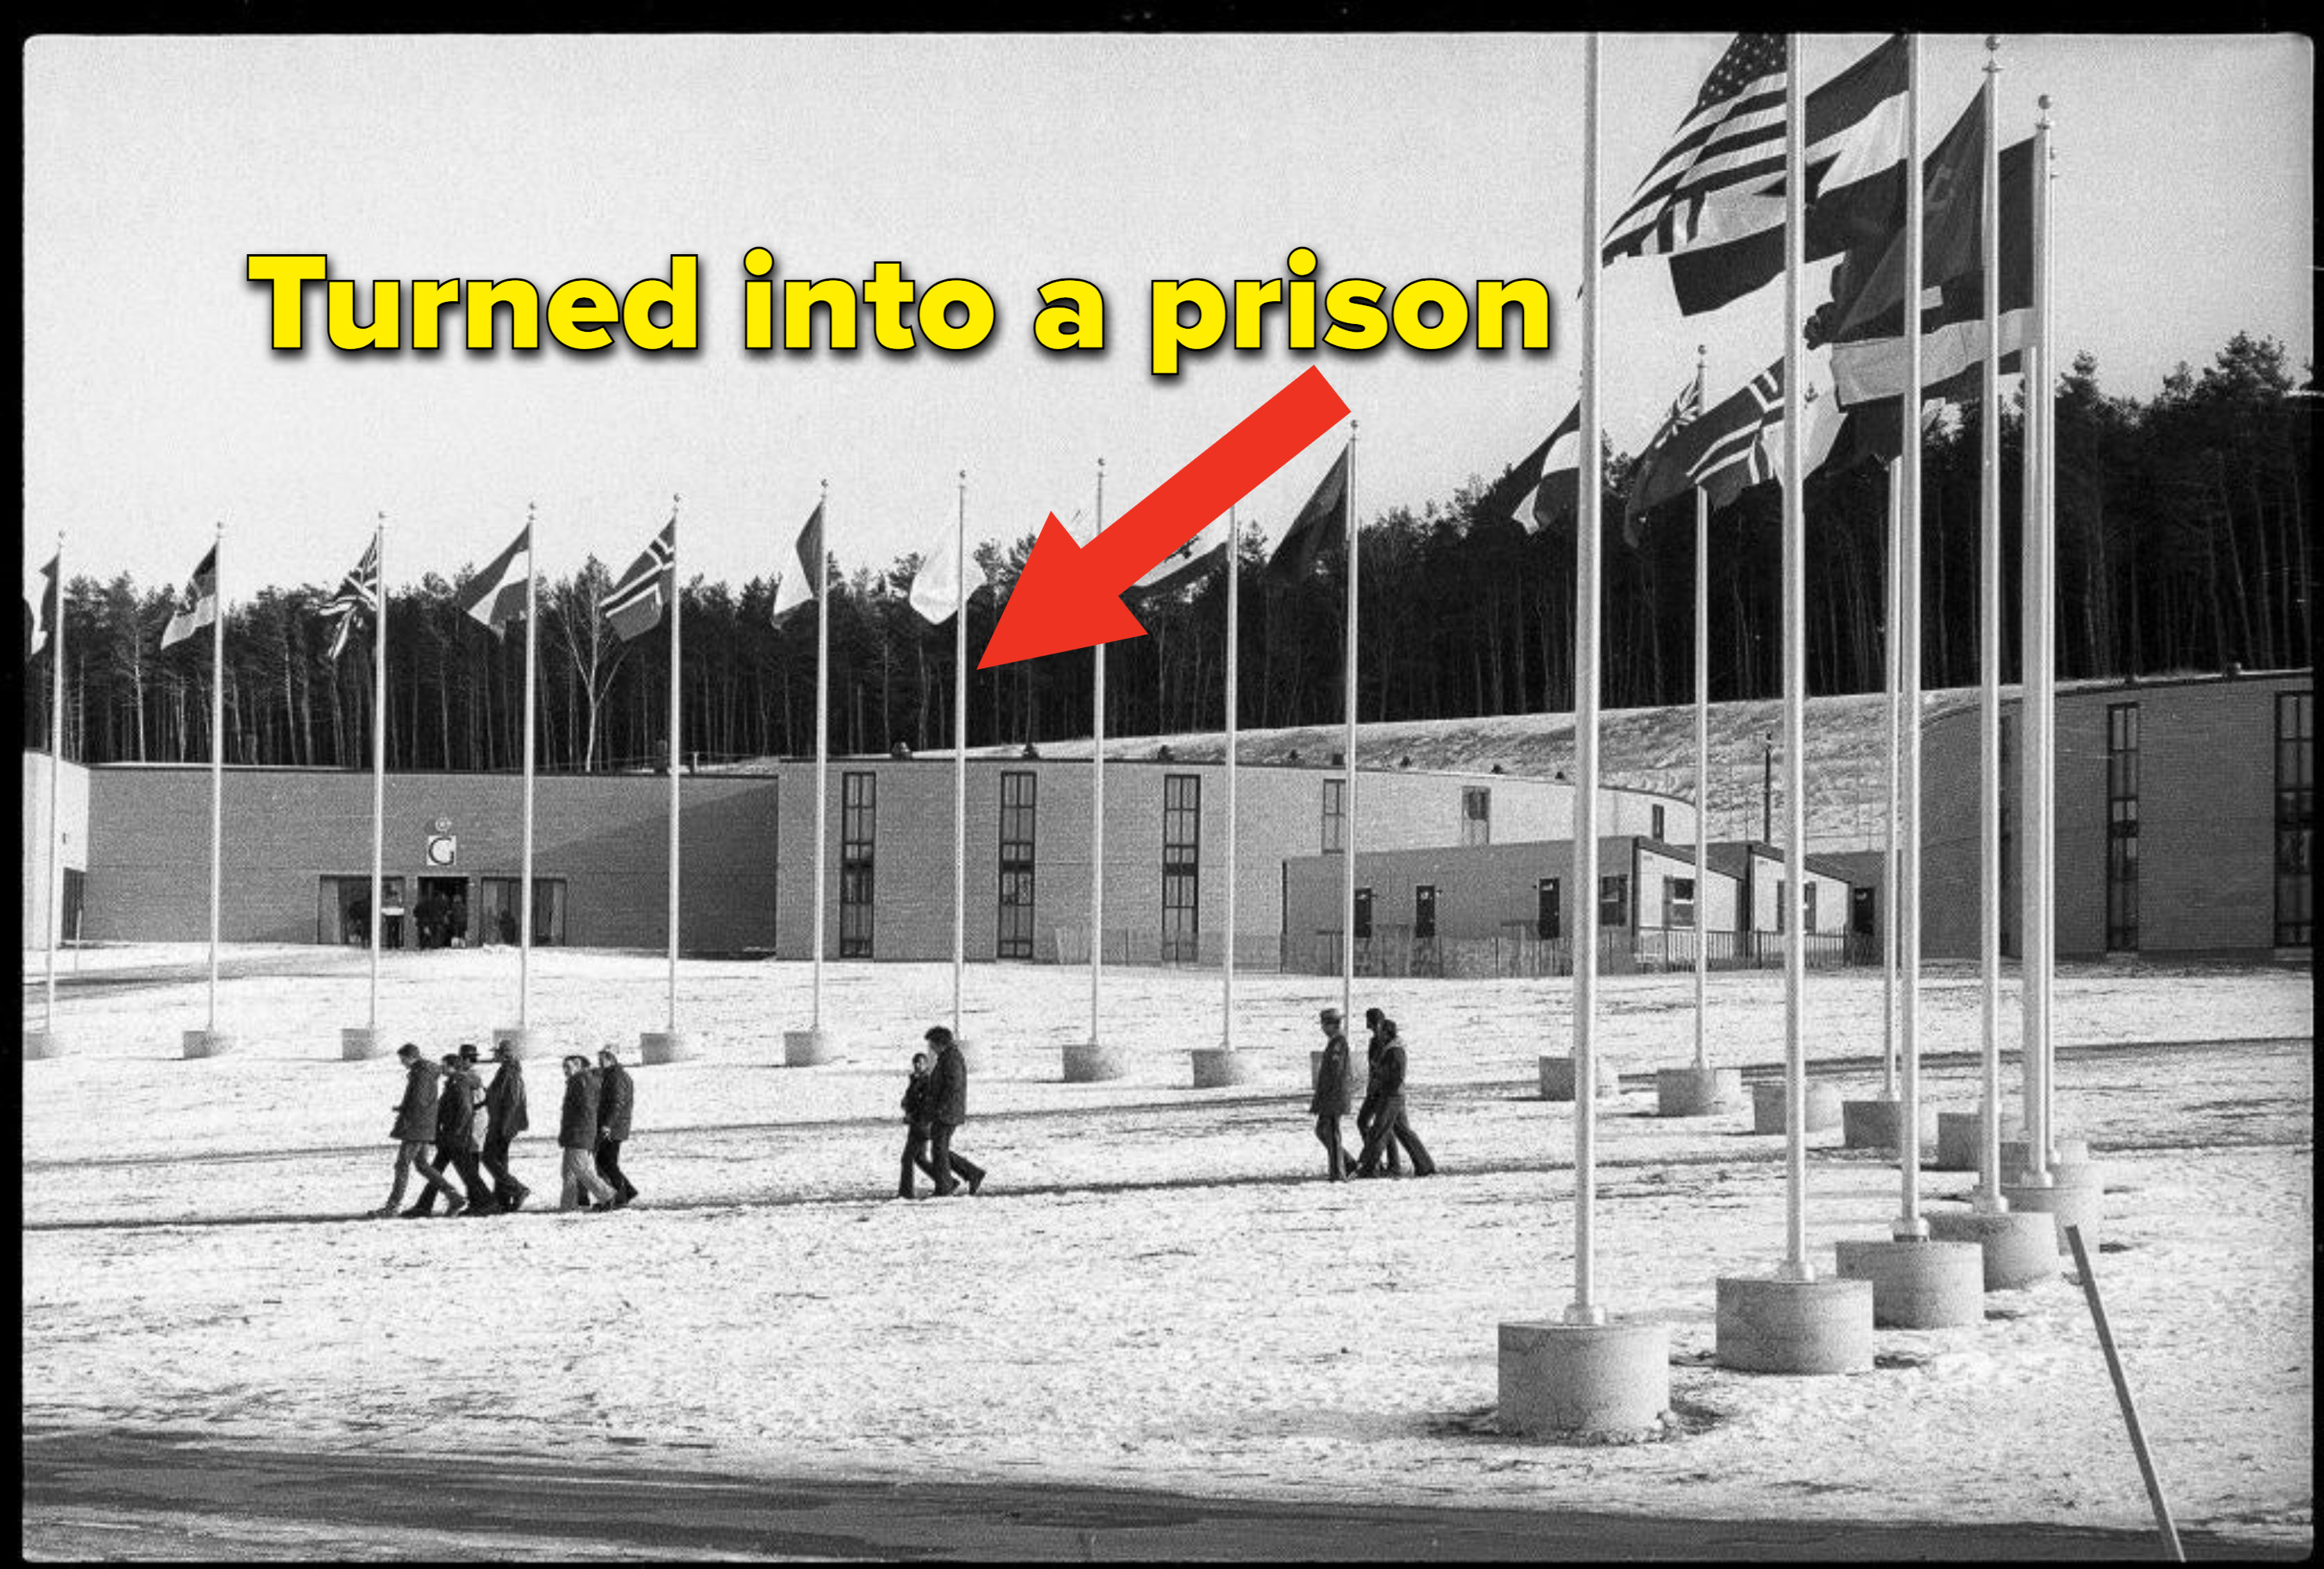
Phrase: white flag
(935, 587)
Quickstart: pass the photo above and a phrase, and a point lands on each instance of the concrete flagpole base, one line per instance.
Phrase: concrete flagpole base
(1872, 1125)
(1557, 1078)
(200, 1043)
(522, 1040)
(2017, 1156)
(1090, 1061)
(1918, 1284)
(1769, 1324)
(2073, 1197)
(2020, 1247)
(1693, 1091)
(43, 1045)
(1360, 1076)
(809, 1048)
(1961, 1134)
(975, 1055)
(656, 1046)
(361, 1045)
(1576, 1380)
(1219, 1068)
(1770, 1109)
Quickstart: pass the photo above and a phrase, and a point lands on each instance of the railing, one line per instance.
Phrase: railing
(1393, 951)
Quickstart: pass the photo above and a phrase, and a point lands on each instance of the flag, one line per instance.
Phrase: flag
(935, 587)
(40, 607)
(633, 606)
(495, 595)
(1867, 314)
(1715, 201)
(358, 591)
(1542, 488)
(1181, 568)
(1321, 521)
(798, 589)
(1646, 488)
(198, 606)
(1731, 456)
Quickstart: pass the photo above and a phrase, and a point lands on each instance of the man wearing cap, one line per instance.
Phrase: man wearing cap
(415, 1125)
(1367, 1113)
(1389, 1127)
(576, 1136)
(1329, 1101)
(947, 1109)
(616, 1094)
(504, 1104)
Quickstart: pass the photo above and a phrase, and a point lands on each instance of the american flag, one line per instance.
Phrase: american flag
(634, 605)
(358, 590)
(1734, 133)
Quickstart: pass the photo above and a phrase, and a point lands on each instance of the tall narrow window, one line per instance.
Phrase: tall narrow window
(859, 803)
(1545, 920)
(1424, 912)
(2122, 829)
(1335, 814)
(1662, 822)
(1476, 815)
(1181, 860)
(1013, 930)
(1614, 900)
(1678, 900)
(1363, 914)
(1781, 918)
(1808, 905)
(2295, 819)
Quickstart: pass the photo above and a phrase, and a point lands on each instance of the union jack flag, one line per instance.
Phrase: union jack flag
(358, 591)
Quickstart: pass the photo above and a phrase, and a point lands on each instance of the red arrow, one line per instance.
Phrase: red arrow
(1069, 595)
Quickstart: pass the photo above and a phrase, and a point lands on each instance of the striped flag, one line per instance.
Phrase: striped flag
(198, 606)
(1181, 568)
(495, 595)
(634, 606)
(800, 588)
(1714, 201)
(1732, 457)
(358, 591)
(41, 605)
(1543, 487)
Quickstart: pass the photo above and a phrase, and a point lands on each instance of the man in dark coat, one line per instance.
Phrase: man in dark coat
(415, 1125)
(455, 1143)
(947, 1109)
(577, 1135)
(616, 1095)
(920, 1112)
(1329, 1101)
(1369, 1111)
(504, 1104)
(1387, 1121)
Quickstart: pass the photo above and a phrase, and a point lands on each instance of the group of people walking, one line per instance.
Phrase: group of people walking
(1381, 1119)
(472, 1124)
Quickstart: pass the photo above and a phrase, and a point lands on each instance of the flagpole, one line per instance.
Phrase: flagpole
(960, 753)
(1097, 798)
(1796, 1266)
(1988, 791)
(378, 750)
(821, 571)
(2035, 576)
(218, 750)
(1701, 760)
(524, 887)
(1584, 1309)
(1234, 638)
(1348, 837)
(1906, 902)
(2047, 866)
(1889, 659)
(56, 770)
(676, 740)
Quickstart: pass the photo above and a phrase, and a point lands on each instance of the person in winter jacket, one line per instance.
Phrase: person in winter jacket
(504, 1107)
(455, 1140)
(415, 1125)
(577, 1135)
(616, 1097)
(1387, 1121)
(1368, 1113)
(947, 1109)
(1329, 1101)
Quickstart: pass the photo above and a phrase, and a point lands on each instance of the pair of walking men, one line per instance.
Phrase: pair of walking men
(1381, 1119)
(592, 1127)
(473, 1125)
(935, 1103)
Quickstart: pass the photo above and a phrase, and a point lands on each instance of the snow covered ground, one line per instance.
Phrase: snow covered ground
(1154, 1288)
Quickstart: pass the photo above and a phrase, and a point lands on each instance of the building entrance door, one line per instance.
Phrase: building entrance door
(445, 923)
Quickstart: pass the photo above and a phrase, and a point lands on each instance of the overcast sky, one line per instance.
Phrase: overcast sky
(153, 167)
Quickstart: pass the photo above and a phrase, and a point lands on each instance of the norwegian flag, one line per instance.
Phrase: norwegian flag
(633, 606)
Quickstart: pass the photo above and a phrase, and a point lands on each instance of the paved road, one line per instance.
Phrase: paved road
(121, 1493)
